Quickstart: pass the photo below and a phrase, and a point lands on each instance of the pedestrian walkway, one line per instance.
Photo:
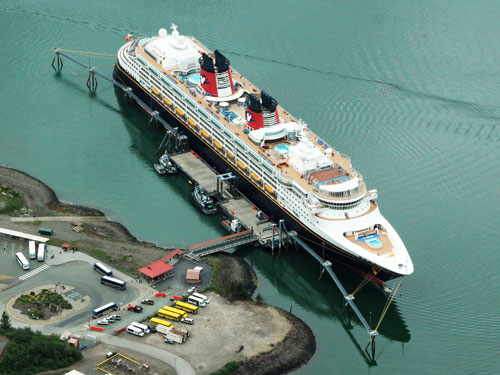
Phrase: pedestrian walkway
(34, 272)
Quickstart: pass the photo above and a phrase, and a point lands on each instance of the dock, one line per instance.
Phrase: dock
(234, 206)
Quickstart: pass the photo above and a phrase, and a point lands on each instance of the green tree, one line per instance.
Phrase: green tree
(5, 322)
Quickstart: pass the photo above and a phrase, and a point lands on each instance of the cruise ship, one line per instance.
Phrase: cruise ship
(287, 170)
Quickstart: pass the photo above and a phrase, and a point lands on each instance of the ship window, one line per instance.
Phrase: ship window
(166, 81)
(190, 102)
(154, 71)
(203, 113)
(178, 91)
(240, 143)
(217, 125)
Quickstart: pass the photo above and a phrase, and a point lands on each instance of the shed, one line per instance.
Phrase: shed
(74, 372)
(193, 276)
(157, 270)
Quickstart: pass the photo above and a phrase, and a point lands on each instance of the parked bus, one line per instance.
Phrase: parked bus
(32, 249)
(115, 283)
(186, 307)
(104, 309)
(144, 328)
(196, 301)
(135, 331)
(182, 313)
(41, 252)
(169, 315)
(102, 269)
(23, 262)
(202, 296)
(163, 322)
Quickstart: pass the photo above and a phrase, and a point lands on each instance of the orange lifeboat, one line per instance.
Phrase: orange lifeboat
(255, 177)
(218, 145)
(269, 189)
(192, 123)
(155, 91)
(242, 166)
(205, 134)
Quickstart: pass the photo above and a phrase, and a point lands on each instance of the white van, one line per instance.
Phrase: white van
(135, 331)
(201, 296)
(32, 249)
(144, 328)
(196, 301)
(41, 252)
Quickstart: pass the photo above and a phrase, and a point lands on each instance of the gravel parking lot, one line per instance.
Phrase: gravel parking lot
(257, 327)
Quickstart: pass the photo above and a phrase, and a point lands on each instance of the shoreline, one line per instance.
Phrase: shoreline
(294, 351)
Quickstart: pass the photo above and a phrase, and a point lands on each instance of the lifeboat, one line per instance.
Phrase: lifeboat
(205, 134)
(155, 90)
(192, 123)
(218, 145)
(167, 101)
(242, 166)
(255, 177)
(179, 112)
(230, 155)
(269, 189)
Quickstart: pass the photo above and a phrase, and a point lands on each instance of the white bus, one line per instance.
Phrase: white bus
(144, 328)
(135, 331)
(32, 249)
(23, 262)
(115, 283)
(102, 269)
(201, 296)
(104, 309)
(41, 252)
(196, 301)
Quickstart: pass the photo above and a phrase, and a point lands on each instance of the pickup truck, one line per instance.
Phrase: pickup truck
(133, 308)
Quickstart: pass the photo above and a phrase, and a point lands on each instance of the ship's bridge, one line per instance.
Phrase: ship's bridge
(172, 51)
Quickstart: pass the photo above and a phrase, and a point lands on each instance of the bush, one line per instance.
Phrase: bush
(229, 368)
(31, 352)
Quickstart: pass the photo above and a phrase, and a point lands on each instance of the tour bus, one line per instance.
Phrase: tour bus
(102, 269)
(202, 296)
(182, 313)
(41, 252)
(142, 327)
(32, 249)
(135, 331)
(115, 283)
(196, 301)
(23, 262)
(186, 307)
(104, 309)
(163, 322)
(169, 315)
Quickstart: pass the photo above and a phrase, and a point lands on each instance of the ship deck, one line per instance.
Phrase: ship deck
(287, 171)
(386, 249)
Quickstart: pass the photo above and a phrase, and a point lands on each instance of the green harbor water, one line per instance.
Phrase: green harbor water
(409, 90)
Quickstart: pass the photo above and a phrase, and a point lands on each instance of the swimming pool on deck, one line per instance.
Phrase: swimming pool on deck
(194, 78)
(372, 240)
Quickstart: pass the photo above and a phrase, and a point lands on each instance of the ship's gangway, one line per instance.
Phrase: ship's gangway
(221, 244)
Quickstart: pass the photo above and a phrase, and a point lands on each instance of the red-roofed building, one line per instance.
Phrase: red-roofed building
(173, 256)
(157, 270)
(193, 276)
